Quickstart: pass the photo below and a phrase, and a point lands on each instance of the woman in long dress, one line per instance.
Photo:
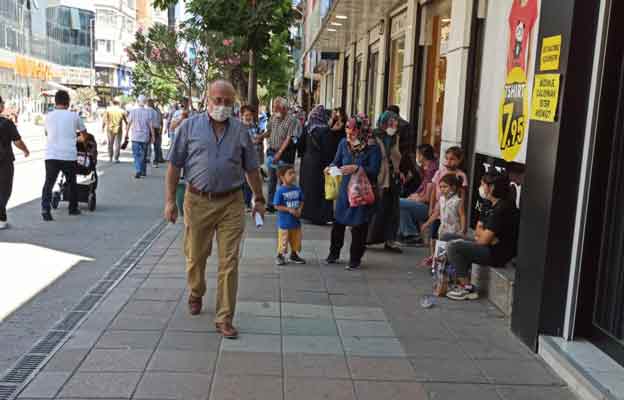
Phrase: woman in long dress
(318, 153)
(354, 153)
(384, 226)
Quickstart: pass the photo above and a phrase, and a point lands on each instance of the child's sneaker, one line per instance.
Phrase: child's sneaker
(463, 292)
(280, 260)
(294, 257)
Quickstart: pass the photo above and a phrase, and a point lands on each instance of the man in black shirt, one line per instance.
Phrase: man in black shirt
(495, 240)
(8, 135)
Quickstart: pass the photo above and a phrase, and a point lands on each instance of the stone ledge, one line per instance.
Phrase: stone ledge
(496, 284)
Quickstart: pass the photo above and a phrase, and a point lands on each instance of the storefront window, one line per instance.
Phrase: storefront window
(371, 96)
(329, 93)
(397, 57)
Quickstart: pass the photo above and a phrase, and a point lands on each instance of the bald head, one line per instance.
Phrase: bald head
(220, 87)
(221, 96)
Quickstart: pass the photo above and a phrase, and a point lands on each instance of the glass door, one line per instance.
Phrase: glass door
(608, 316)
(371, 90)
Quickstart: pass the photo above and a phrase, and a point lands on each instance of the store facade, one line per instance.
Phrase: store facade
(534, 88)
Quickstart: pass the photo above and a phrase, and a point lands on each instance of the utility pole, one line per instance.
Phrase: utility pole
(171, 21)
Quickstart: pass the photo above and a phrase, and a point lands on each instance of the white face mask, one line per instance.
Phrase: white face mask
(221, 113)
(482, 192)
(391, 131)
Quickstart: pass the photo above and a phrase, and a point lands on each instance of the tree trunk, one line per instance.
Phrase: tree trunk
(171, 23)
(252, 88)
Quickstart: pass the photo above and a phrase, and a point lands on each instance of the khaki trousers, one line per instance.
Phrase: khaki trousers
(203, 218)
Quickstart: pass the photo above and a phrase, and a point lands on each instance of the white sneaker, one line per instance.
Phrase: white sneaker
(463, 292)
(4, 225)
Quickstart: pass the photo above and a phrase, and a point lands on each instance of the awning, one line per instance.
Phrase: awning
(58, 86)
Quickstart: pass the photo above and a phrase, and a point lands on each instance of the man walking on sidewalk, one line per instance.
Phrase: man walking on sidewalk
(112, 124)
(157, 122)
(215, 151)
(61, 127)
(141, 131)
(8, 136)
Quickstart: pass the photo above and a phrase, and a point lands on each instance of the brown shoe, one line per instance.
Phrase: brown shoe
(227, 330)
(195, 305)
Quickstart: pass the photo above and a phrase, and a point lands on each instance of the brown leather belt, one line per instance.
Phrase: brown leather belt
(211, 195)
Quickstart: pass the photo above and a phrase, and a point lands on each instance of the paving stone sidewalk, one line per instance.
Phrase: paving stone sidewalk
(307, 332)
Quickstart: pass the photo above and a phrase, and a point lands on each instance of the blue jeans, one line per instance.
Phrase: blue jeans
(413, 213)
(158, 154)
(247, 194)
(139, 152)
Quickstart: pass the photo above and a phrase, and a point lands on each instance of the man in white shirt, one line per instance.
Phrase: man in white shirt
(61, 128)
(140, 129)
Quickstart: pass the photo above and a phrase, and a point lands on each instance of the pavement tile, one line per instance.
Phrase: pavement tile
(440, 370)
(82, 339)
(381, 369)
(158, 294)
(160, 385)
(309, 327)
(315, 365)
(101, 385)
(497, 349)
(164, 283)
(247, 387)
(504, 372)
(129, 340)
(264, 309)
(365, 328)
(65, 360)
(115, 360)
(316, 285)
(304, 297)
(359, 313)
(45, 385)
(535, 393)
(317, 388)
(254, 344)
(446, 391)
(144, 315)
(373, 347)
(200, 362)
(294, 310)
(257, 325)
(342, 300)
(390, 391)
(312, 344)
(438, 349)
(245, 363)
(190, 341)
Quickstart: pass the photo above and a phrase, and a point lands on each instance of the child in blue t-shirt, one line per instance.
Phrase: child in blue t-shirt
(289, 202)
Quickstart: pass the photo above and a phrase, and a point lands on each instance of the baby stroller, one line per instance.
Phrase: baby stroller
(86, 175)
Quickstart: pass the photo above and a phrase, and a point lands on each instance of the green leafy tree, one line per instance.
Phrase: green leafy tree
(85, 95)
(253, 23)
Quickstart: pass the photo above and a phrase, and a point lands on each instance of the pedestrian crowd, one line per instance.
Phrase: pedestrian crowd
(355, 173)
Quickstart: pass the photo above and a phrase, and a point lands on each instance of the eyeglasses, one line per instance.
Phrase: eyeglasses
(222, 101)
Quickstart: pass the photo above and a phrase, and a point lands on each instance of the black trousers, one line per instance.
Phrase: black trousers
(6, 186)
(53, 167)
(358, 242)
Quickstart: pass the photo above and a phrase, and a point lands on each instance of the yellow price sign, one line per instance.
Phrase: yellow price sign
(551, 53)
(513, 114)
(545, 97)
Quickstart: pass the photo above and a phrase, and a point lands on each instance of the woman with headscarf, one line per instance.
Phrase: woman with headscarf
(316, 157)
(354, 152)
(384, 225)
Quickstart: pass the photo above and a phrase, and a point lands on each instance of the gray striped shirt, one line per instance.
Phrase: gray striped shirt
(280, 129)
(141, 121)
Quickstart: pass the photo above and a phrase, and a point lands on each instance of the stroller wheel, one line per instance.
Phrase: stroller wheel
(92, 202)
(56, 199)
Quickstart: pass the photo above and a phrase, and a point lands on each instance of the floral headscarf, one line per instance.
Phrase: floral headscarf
(362, 128)
(317, 118)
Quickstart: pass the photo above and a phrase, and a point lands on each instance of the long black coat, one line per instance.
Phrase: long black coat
(319, 148)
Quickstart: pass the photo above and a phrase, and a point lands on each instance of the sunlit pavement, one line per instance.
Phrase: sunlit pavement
(46, 267)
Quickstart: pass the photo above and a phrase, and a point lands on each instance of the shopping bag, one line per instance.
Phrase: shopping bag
(440, 269)
(360, 190)
(332, 186)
